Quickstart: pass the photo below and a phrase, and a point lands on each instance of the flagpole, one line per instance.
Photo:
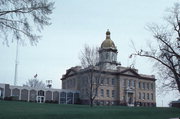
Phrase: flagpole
(16, 63)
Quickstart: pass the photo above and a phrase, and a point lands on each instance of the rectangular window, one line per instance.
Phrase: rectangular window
(151, 86)
(129, 83)
(144, 96)
(102, 81)
(102, 92)
(95, 91)
(113, 93)
(143, 85)
(107, 93)
(133, 83)
(113, 82)
(148, 96)
(152, 96)
(139, 85)
(148, 86)
(139, 95)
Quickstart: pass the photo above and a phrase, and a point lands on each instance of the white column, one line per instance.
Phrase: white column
(36, 95)
(28, 95)
(52, 96)
(4, 93)
(11, 92)
(59, 97)
(66, 98)
(73, 99)
(19, 94)
(44, 96)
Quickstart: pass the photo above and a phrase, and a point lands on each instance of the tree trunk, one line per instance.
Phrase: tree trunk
(91, 102)
(177, 81)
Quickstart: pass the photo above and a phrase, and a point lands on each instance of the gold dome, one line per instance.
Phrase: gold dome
(108, 43)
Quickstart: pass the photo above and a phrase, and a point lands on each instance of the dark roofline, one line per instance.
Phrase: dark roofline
(108, 72)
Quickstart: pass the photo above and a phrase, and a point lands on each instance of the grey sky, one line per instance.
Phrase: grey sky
(79, 22)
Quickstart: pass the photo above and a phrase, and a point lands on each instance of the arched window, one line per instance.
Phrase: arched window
(40, 93)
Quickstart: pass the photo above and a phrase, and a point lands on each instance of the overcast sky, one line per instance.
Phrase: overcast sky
(79, 22)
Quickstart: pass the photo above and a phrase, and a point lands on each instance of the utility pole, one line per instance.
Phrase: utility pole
(16, 64)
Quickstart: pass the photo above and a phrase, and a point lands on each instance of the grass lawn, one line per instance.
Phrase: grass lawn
(24, 110)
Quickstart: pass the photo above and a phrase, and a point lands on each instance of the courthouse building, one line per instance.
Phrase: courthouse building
(120, 85)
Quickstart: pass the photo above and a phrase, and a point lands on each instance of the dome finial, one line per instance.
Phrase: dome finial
(108, 32)
(108, 43)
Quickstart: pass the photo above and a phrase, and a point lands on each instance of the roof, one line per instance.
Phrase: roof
(108, 43)
(121, 71)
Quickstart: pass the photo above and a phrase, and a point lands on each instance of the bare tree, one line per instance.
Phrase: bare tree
(166, 52)
(89, 59)
(35, 83)
(21, 19)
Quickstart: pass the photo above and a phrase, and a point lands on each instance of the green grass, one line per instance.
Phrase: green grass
(24, 110)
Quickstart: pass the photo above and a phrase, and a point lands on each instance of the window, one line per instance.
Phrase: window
(133, 83)
(113, 81)
(96, 81)
(152, 96)
(113, 93)
(143, 85)
(107, 93)
(151, 86)
(102, 92)
(107, 80)
(144, 95)
(102, 81)
(139, 85)
(107, 55)
(148, 86)
(148, 96)
(41, 93)
(139, 95)
(95, 91)
(129, 83)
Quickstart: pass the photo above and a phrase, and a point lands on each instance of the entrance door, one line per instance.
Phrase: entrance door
(130, 98)
(40, 99)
